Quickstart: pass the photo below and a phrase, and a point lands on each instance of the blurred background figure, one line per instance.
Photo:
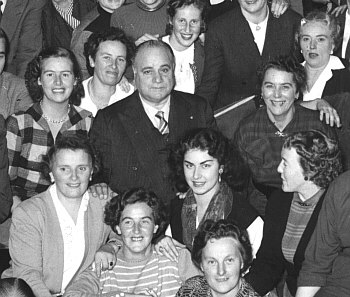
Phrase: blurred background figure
(310, 162)
(56, 234)
(186, 23)
(223, 252)
(109, 53)
(15, 287)
(20, 21)
(60, 18)
(97, 20)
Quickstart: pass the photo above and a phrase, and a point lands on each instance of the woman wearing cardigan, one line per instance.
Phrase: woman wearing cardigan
(310, 161)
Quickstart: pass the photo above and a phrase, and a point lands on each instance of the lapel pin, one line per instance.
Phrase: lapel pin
(191, 117)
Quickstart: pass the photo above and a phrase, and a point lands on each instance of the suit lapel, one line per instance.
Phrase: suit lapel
(11, 18)
(138, 127)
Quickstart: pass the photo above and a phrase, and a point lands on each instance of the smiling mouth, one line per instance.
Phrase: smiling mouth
(313, 55)
(136, 238)
(186, 36)
(278, 103)
(198, 184)
(58, 90)
(222, 279)
(73, 185)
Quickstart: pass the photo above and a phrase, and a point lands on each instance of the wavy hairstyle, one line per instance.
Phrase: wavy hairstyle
(235, 171)
(286, 64)
(15, 287)
(34, 70)
(115, 207)
(173, 5)
(70, 141)
(324, 18)
(217, 230)
(111, 34)
(320, 157)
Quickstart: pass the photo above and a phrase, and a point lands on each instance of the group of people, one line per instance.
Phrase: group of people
(116, 180)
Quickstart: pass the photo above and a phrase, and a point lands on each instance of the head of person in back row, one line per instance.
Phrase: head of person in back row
(107, 53)
(140, 127)
(186, 23)
(318, 36)
(260, 136)
(237, 43)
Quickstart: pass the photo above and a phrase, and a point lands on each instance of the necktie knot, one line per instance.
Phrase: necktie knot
(163, 124)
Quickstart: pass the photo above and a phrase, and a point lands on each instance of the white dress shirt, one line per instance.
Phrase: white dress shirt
(152, 111)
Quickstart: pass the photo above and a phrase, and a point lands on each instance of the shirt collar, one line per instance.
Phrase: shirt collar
(312, 201)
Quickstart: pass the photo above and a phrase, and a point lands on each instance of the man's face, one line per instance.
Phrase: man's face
(2, 54)
(110, 62)
(154, 74)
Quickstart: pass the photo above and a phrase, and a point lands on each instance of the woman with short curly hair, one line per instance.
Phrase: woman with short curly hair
(54, 83)
(310, 162)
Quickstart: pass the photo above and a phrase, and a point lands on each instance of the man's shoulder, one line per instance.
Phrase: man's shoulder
(229, 17)
(126, 104)
(191, 99)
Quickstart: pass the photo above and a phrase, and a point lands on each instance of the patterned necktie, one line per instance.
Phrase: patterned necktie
(163, 124)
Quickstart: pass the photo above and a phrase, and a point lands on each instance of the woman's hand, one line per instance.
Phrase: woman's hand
(105, 258)
(339, 10)
(146, 37)
(167, 246)
(327, 111)
(101, 191)
(124, 84)
(279, 7)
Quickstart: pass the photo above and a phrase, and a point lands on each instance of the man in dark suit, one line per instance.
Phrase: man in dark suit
(237, 43)
(133, 134)
(21, 23)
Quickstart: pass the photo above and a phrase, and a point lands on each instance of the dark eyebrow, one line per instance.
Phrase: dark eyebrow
(200, 162)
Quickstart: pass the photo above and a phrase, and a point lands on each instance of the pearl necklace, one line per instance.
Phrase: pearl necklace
(51, 120)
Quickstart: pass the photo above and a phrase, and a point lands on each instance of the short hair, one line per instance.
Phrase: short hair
(236, 172)
(320, 157)
(217, 230)
(111, 34)
(154, 44)
(173, 5)
(321, 17)
(34, 70)
(74, 141)
(6, 40)
(117, 204)
(15, 287)
(287, 64)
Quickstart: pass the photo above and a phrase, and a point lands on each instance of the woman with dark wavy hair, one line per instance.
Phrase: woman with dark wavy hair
(209, 169)
(310, 162)
(54, 83)
(223, 252)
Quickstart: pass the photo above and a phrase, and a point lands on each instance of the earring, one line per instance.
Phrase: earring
(220, 172)
(306, 178)
(90, 178)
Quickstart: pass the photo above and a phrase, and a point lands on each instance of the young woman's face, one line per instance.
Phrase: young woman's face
(57, 79)
(71, 171)
(186, 27)
(201, 172)
(221, 265)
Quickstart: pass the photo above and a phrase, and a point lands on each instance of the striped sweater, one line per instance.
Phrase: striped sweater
(155, 274)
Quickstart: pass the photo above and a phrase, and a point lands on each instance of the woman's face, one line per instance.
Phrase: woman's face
(221, 265)
(57, 79)
(279, 93)
(291, 172)
(111, 5)
(201, 172)
(137, 227)
(316, 44)
(71, 171)
(186, 27)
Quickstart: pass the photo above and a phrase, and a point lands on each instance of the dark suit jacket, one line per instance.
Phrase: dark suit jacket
(21, 22)
(341, 22)
(56, 31)
(133, 151)
(338, 83)
(232, 57)
(5, 190)
(268, 267)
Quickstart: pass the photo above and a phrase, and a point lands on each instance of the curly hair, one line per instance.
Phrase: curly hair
(287, 64)
(235, 173)
(320, 157)
(114, 208)
(15, 287)
(173, 5)
(34, 69)
(112, 34)
(321, 17)
(217, 230)
(69, 140)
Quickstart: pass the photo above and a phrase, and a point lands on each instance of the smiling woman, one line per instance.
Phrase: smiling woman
(62, 227)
